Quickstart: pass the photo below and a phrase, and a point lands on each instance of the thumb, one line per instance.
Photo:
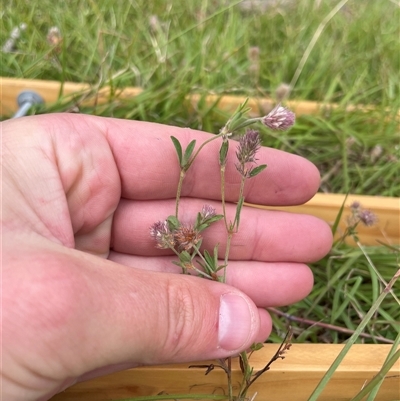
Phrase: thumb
(153, 318)
(77, 316)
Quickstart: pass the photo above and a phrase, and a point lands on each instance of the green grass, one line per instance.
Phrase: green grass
(175, 48)
(204, 45)
(346, 288)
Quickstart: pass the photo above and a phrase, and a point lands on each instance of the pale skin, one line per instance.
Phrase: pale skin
(85, 291)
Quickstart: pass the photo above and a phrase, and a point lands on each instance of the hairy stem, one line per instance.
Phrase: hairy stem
(178, 191)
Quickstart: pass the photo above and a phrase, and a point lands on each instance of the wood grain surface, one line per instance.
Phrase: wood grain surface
(291, 379)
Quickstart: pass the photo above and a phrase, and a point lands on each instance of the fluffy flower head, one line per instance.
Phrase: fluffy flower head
(280, 118)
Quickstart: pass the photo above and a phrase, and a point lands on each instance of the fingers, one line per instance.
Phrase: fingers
(263, 235)
(267, 284)
(148, 166)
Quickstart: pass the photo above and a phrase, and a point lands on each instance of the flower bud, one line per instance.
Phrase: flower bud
(280, 118)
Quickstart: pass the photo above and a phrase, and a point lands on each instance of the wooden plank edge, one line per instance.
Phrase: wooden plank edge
(293, 378)
(52, 90)
(327, 206)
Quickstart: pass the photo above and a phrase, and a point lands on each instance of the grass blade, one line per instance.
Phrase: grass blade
(324, 381)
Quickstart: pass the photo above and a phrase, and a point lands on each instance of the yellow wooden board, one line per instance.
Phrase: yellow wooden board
(327, 206)
(51, 91)
(291, 379)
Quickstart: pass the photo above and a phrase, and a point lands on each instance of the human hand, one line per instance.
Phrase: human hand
(85, 292)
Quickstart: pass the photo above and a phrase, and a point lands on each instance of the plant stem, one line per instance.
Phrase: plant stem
(178, 191)
(227, 250)
(213, 138)
(222, 173)
(327, 326)
(245, 378)
(240, 202)
(229, 376)
(188, 165)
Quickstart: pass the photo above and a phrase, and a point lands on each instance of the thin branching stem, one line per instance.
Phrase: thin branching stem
(185, 168)
(178, 191)
(327, 326)
(223, 203)
(229, 377)
(227, 250)
(213, 138)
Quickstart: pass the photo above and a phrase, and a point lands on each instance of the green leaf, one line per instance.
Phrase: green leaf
(208, 257)
(239, 207)
(198, 220)
(239, 122)
(339, 215)
(217, 217)
(221, 267)
(198, 245)
(216, 254)
(173, 222)
(188, 152)
(257, 170)
(185, 257)
(178, 149)
(202, 227)
(256, 346)
(206, 223)
(223, 153)
(209, 265)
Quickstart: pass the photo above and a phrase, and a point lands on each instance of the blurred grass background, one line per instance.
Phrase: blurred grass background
(175, 48)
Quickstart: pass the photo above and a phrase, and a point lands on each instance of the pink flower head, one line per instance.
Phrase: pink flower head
(279, 118)
(367, 217)
(207, 212)
(163, 236)
(249, 144)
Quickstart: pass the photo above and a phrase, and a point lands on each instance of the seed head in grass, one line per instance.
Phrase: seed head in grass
(162, 234)
(279, 118)
(365, 216)
(11, 43)
(54, 37)
(282, 91)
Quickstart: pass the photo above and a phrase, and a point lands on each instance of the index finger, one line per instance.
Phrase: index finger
(149, 168)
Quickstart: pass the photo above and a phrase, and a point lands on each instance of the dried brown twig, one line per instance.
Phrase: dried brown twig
(327, 326)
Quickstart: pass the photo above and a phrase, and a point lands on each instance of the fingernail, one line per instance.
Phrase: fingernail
(235, 322)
